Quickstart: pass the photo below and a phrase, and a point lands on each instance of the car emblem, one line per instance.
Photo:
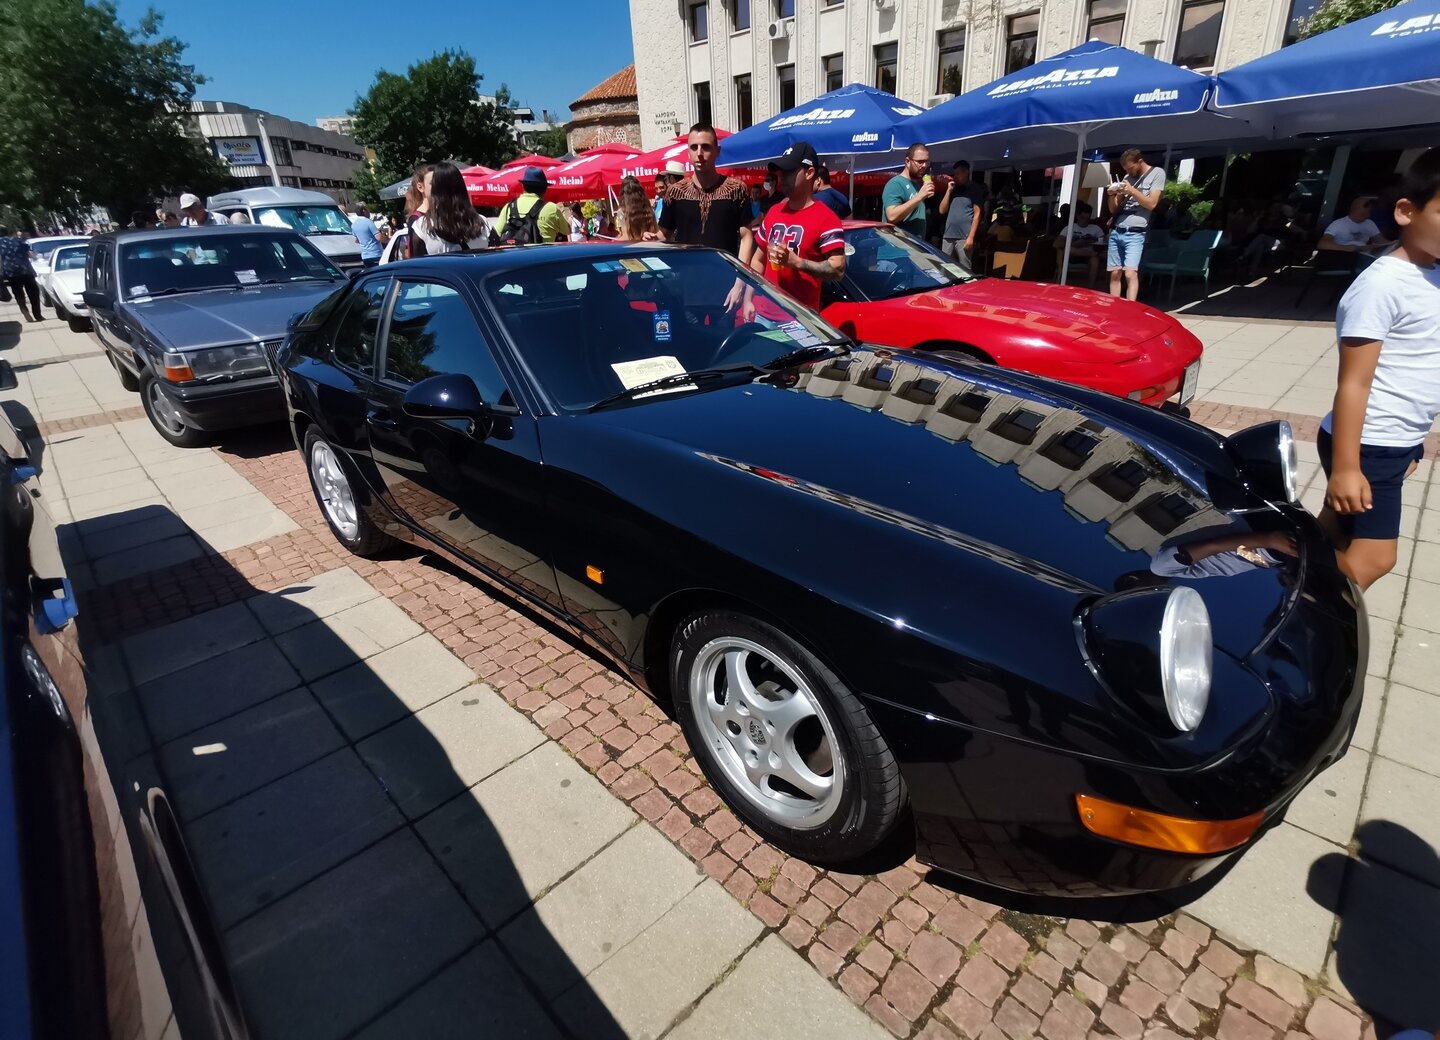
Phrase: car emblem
(757, 732)
(1169, 342)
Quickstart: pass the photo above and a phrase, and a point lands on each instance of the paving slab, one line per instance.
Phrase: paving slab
(773, 993)
(351, 635)
(480, 995)
(152, 556)
(1417, 652)
(308, 601)
(428, 758)
(243, 753)
(511, 837)
(330, 957)
(1407, 799)
(1410, 734)
(263, 846)
(1422, 601)
(141, 532)
(1367, 723)
(1330, 804)
(597, 910)
(215, 688)
(371, 694)
(172, 647)
(1263, 900)
(224, 537)
(696, 940)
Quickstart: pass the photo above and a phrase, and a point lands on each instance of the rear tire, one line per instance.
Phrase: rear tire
(791, 750)
(333, 483)
(163, 416)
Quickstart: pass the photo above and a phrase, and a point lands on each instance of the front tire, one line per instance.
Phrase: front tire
(332, 483)
(164, 416)
(77, 324)
(127, 379)
(791, 750)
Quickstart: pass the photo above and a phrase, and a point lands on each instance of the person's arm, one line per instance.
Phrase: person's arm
(945, 200)
(1148, 200)
(1349, 491)
(900, 212)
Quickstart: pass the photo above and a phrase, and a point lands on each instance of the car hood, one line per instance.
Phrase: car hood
(1087, 493)
(1101, 320)
(194, 321)
(70, 281)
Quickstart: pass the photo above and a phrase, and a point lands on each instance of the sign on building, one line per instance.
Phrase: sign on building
(239, 151)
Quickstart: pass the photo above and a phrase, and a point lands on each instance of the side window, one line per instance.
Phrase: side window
(432, 332)
(359, 327)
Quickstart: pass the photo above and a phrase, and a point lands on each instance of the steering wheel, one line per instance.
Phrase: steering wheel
(732, 341)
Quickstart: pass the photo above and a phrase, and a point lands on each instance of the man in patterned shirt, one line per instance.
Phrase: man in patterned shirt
(15, 269)
(709, 209)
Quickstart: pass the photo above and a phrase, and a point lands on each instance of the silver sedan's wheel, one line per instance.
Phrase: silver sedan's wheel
(332, 487)
(768, 731)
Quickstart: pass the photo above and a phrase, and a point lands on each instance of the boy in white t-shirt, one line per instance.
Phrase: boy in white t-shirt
(1388, 396)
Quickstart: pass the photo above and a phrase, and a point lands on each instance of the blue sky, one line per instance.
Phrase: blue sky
(308, 58)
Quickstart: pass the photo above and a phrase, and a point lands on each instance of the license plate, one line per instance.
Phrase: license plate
(1192, 380)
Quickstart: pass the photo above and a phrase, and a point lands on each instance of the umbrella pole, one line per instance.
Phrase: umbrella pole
(1074, 195)
(1225, 172)
(852, 186)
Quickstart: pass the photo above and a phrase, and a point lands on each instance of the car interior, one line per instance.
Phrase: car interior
(151, 268)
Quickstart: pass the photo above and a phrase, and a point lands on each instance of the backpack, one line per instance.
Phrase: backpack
(522, 230)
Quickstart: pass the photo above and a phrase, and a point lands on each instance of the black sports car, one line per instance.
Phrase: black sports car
(1086, 648)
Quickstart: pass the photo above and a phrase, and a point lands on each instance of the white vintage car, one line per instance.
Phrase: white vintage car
(64, 283)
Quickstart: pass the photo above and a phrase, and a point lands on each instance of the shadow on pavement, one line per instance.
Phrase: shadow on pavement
(1278, 297)
(302, 831)
(1388, 948)
(10, 334)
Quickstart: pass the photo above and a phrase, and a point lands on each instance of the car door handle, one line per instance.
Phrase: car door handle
(382, 418)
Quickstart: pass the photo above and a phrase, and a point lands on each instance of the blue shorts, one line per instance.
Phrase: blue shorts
(1124, 249)
(1385, 468)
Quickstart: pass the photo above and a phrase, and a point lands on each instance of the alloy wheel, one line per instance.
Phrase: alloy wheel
(333, 487)
(163, 410)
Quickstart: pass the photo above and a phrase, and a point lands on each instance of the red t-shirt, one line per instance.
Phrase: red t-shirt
(813, 233)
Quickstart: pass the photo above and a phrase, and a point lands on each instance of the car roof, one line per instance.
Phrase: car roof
(273, 196)
(510, 258)
(200, 231)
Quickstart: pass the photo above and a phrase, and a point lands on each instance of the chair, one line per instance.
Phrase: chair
(1191, 257)
(1034, 261)
(1338, 264)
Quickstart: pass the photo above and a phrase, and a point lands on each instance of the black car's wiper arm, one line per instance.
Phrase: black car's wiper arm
(703, 375)
(808, 355)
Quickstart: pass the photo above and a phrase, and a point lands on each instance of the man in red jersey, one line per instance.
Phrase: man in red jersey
(802, 242)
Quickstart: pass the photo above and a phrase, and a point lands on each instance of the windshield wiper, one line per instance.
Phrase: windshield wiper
(704, 375)
(807, 355)
(175, 290)
(301, 278)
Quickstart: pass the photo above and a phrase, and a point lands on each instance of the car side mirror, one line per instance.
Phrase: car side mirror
(95, 299)
(450, 396)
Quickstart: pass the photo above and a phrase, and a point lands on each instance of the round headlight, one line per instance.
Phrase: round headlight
(1289, 464)
(1185, 658)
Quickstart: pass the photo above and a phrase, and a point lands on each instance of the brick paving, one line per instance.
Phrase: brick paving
(921, 959)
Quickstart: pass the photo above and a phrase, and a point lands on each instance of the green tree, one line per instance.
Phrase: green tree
(90, 111)
(1334, 13)
(552, 142)
(431, 113)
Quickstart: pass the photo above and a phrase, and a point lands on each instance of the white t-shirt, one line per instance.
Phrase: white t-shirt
(1347, 232)
(435, 245)
(1397, 303)
(1088, 235)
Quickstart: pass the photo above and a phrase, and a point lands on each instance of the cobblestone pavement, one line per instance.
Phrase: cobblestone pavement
(1336, 910)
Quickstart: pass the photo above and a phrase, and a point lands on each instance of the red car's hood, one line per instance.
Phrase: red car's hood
(1099, 319)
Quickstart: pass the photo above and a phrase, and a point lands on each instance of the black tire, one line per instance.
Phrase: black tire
(77, 324)
(172, 427)
(871, 796)
(127, 380)
(365, 539)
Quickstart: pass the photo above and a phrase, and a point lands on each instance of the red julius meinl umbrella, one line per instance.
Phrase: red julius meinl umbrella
(645, 167)
(590, 174)
(504, 185)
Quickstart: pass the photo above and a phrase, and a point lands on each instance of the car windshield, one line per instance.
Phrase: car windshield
(71, 258)
(43, 247)
(163, 265)
(883, 262)
(591, 329)
(308, 220)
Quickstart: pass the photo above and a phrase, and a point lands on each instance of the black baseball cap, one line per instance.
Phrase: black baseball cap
(797, 155)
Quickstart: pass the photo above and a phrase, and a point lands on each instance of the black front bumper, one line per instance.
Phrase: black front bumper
(225, 406)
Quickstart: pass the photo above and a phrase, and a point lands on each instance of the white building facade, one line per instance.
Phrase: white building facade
(303, 156)
(738, 62)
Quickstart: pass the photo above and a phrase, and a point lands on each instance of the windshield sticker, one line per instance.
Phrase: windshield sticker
(800, 334)
(606, 266)
(954, 271)
(662, 326)
(655, 263)
(937, 275)
(633, 265)
(246, 277)
(139, 290)
(647, 370)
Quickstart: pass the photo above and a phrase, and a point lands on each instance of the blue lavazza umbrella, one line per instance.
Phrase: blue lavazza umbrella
(1380, 72)
(1096, 95)
(396, 190)
(854, 120)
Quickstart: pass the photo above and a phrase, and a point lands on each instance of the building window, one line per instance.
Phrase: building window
(1300, 11)
(1199, 33)
(886, 56)
(1107, 21)
(951, 79)
(702, 102)
(1022, 35)
(785, 77)
(832, 71)
(744, 112)
(699, 22)
(834, 3)
(784, 8)
(739, 15)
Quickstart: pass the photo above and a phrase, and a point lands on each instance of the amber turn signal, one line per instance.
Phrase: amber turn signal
(595, 574)
(1154, 830)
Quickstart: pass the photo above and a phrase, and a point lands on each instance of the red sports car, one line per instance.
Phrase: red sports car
(899, 292)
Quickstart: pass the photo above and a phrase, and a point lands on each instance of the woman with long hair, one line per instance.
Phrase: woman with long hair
(637, 216)
(415, 205)
(449, 223)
